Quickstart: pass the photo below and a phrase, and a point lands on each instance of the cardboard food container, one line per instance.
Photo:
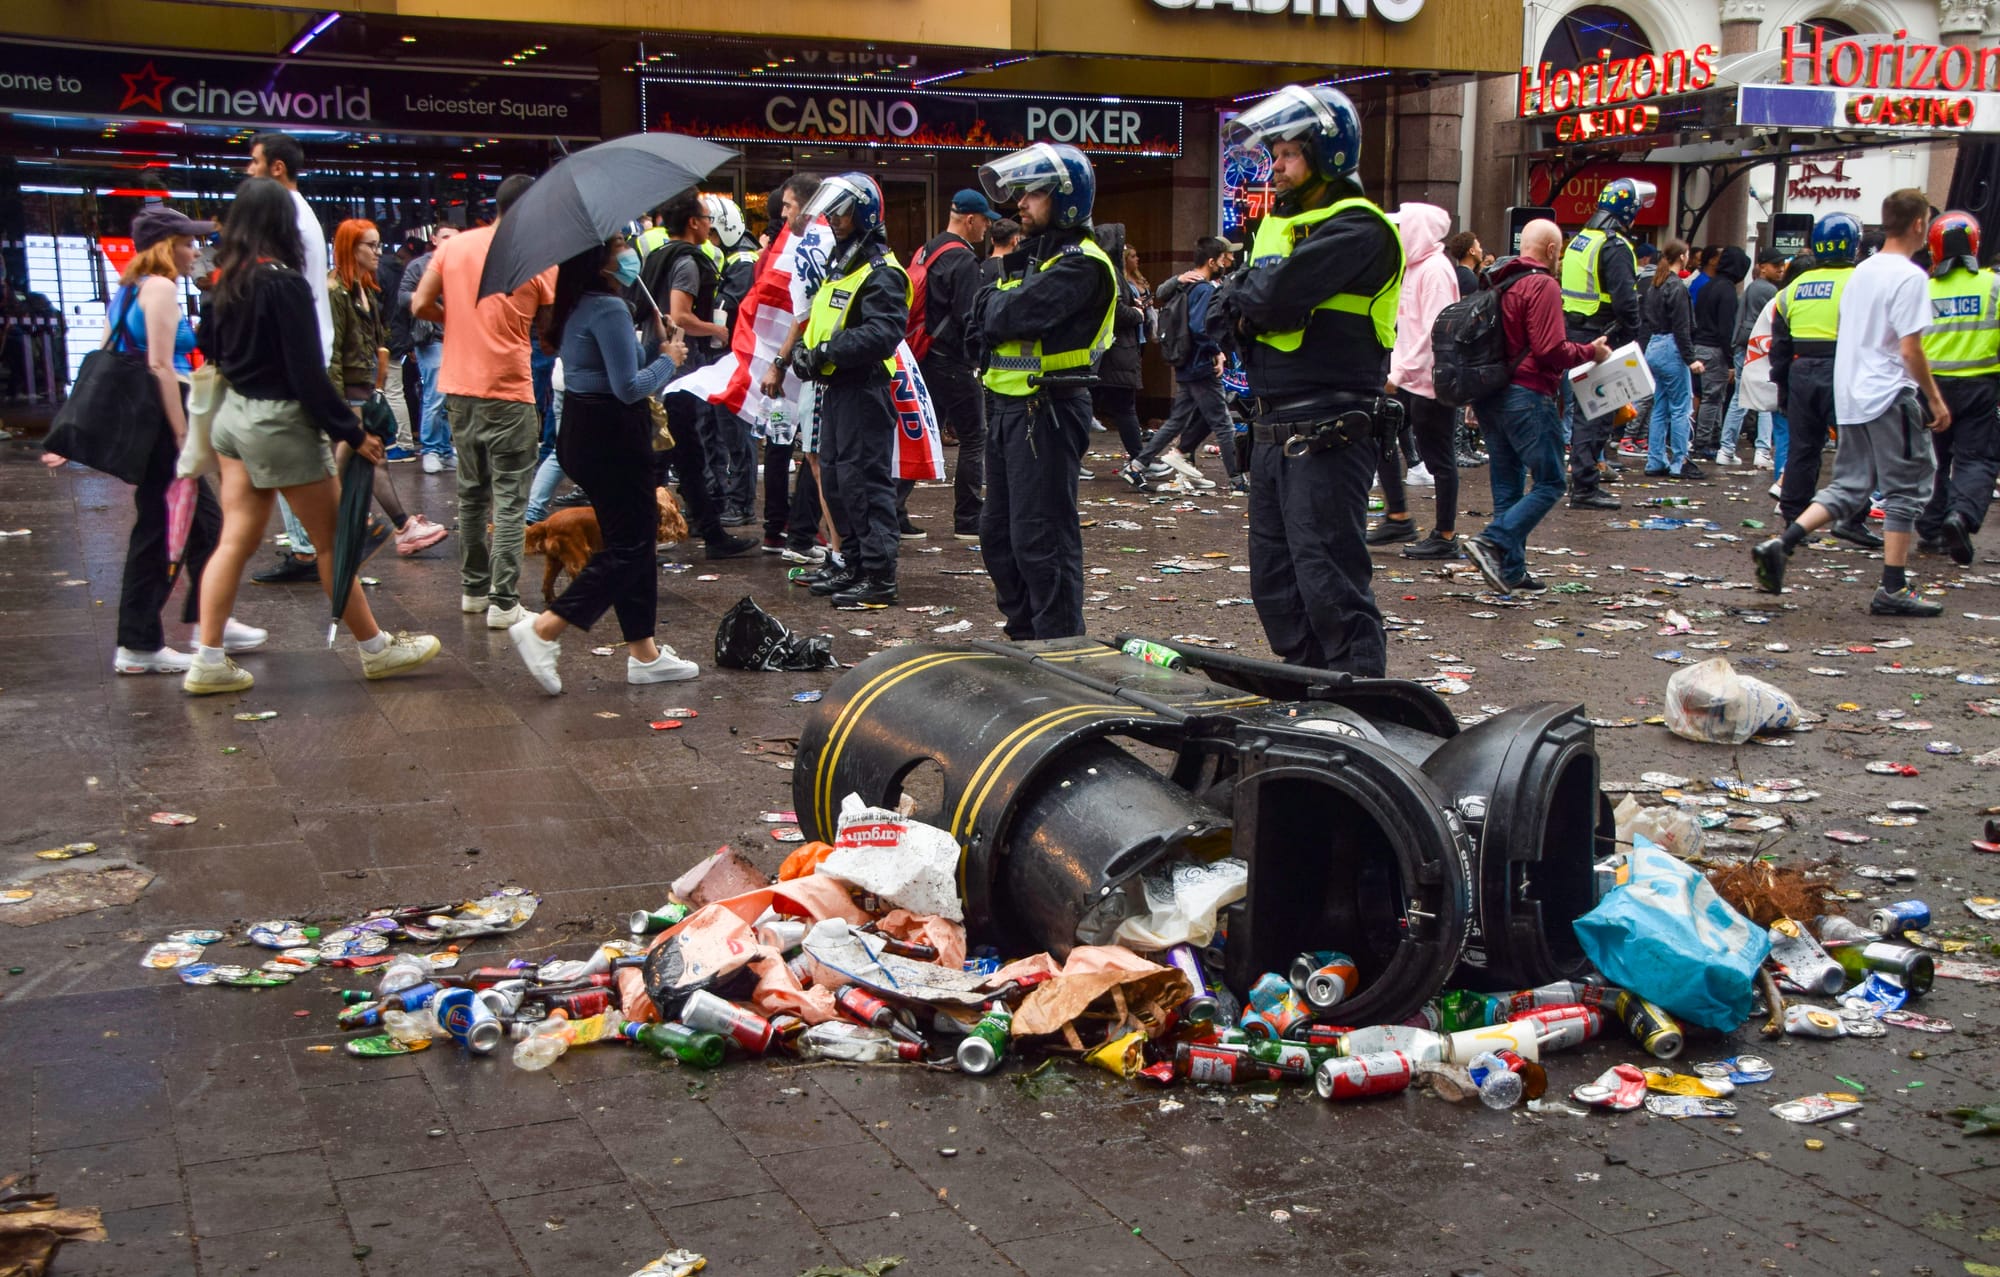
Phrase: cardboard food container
(1622, 379)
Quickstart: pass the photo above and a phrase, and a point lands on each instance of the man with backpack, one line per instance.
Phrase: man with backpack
(1523, 430)
(1198, 409)
(944, 280)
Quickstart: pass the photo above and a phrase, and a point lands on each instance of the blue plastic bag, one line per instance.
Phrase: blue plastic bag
(1665, 935)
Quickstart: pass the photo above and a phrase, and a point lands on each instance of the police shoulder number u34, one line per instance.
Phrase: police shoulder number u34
(1314, 315)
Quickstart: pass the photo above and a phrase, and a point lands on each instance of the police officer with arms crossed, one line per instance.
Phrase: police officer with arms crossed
(849, 347)
(1600, 295)
(1314, 315)
(1045, 321)
(1963, 347)
(1804, 327)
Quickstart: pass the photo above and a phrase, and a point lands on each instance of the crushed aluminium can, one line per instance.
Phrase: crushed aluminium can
(1818, 1108)
(1686, 1106)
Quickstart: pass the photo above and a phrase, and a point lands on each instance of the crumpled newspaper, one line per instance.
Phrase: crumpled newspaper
(905, 862)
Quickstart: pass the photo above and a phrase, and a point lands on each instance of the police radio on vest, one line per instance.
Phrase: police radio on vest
(1391, 10)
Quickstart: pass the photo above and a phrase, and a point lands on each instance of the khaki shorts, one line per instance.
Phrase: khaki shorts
(274, 440)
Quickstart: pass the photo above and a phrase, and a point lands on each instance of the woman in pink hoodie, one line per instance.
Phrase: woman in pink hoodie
(1430, 283)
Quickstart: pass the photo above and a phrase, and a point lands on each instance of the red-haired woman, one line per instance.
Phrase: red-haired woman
(360, 361)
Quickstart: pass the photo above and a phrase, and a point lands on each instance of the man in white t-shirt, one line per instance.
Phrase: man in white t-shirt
(279, 157)
(1886, 404)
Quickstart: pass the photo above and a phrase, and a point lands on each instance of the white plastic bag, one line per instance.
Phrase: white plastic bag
(1754, 389)
(1669, 828)
(905, 862)
(1182, 898)
(1712, 703)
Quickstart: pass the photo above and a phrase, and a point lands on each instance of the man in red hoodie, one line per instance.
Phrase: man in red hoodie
(1522, 426)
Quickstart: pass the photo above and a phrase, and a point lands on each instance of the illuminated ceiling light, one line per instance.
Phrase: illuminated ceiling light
(313, 32)
(409, 39)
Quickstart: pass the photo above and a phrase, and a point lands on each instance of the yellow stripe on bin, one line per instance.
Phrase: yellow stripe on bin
(850, 714)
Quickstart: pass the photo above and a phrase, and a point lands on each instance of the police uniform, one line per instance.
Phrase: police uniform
(1045, 322)
(1600, 299)
(1316, 316)
(855, 324)
(1963, 347)
(1804, 326)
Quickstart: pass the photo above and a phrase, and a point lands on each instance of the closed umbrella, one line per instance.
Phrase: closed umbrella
(357, 488)
(181, 497)
(590, 196)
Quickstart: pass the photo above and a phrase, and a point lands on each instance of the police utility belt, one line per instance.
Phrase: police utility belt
(1325, 422)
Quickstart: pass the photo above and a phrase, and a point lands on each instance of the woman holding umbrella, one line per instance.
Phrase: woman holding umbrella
(606, 445)
(147, 316)
(272, 433)
(360, 363)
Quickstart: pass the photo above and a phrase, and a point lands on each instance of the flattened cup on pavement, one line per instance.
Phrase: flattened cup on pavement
(169, 955)
(383, 1044)
(68, 851)
(1818, 1108)
(171, 818)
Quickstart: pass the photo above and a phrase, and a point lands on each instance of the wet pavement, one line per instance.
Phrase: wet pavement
(217, 1142)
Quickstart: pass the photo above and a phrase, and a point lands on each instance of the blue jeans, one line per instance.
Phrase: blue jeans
(1781, 442)
(1673, 405)
(301, 543)
(434, 430)
(1732, 421)
(1523, 442)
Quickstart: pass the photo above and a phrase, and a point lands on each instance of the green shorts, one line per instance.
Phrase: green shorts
(274, 440)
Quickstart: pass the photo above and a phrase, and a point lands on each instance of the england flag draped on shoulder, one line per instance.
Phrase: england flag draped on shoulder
(792, 272)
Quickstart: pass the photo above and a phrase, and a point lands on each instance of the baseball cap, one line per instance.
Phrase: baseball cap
(1230, 244)
(1772, 257)
(159, 222)
(971, 201)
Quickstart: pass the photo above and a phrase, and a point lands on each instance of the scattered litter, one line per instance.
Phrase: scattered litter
(171, 818)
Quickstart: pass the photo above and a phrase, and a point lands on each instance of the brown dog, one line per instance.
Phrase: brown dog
(569, 537)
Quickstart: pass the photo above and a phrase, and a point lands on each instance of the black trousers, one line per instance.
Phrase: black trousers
(1309, 564)
(1433, 425)
(1029, 536)
(147, 581)
(688, 460)
(777, 488)
(1968, 454)
(1118, 407)
(606, 446)
(857, 441)
(1587, 438)
(1809, 410)
(1198, 411)
(802, 526)
(960, 402)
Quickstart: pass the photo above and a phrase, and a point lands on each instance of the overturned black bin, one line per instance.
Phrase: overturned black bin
(1370, 821)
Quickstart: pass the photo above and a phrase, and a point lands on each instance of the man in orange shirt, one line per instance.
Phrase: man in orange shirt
(490, 401)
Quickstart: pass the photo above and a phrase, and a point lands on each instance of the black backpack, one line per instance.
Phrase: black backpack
(1469, 348)
(1176, 337)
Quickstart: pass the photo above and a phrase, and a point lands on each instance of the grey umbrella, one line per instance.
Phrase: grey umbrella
(590, 196)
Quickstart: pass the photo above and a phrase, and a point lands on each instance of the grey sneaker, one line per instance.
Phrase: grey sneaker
(1903, 602)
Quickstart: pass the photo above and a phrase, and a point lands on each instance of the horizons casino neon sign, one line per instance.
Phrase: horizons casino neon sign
(1613, 97)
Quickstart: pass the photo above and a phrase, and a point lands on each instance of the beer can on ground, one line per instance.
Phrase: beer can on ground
(1652, 1028)
(1325, 978)
(1307, 1033)
(1904, 915)
(581, 1003)
(985, 1044)
(1202, 1006)
(712, 1014)
(1352, 1077)
(1563, 1027)
(471, 1023)
(783, 934)
(646, 922)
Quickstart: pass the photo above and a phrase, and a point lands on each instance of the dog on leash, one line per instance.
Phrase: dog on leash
(567, 538)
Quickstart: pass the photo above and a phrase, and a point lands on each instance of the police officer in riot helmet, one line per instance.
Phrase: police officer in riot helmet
(849, 347)
(1805, 324)
(1600, 292)
(1045, 322)
(1313, 312)
(1963, 347)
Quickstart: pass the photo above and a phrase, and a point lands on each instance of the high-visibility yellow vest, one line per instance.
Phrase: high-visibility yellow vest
(1016, 364)
(745, 256)
(1277, 236)
(1964, 337)
(649, 240)
(834, 301)
(1810, 304)
(1583, 290)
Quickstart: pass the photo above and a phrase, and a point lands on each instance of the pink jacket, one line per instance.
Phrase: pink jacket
(1430, 284)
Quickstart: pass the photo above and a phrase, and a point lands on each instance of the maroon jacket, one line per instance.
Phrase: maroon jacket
(1531, 317)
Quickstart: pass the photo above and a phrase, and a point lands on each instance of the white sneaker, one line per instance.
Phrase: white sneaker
(433, 463)
(238, 637)
(1419, 477)
(1082, 473)
(470, 603)
(418, 533)
(811, 554)
(405, 652)
(1726, 459)
(500, 618)
(163, 661)
(1761, 459)
(539, 655)
(1774, 491)
(206, 680)
(668, 667)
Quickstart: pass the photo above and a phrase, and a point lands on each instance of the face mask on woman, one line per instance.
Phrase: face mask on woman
(627, 269)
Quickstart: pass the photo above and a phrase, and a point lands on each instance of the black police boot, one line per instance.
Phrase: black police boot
(868, 592)
(1596, 499)
(1957, 537)
(845, 579)
(1770, 556)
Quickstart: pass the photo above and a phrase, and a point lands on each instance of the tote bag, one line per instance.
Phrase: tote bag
(112, 419)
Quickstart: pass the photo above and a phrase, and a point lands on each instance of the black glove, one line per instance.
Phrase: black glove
(806, 361)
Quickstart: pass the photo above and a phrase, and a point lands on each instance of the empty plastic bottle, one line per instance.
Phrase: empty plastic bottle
(411, 1026)
(1499, 1086)
(552, 1037)
(402, 972)
(857, 1043)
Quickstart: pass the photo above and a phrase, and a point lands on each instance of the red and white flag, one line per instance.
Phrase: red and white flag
(782, 292)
